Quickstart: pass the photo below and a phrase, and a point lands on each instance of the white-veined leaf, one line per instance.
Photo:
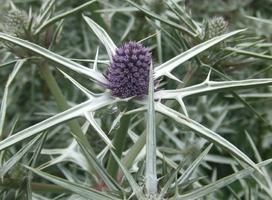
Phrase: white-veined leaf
(171, 64)
(151, 170)
(4, 103)
(206, 133)
(53, 57)
(102, 35)
(76, 111)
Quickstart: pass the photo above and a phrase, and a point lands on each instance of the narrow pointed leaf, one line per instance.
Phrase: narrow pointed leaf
(76, 111)
(62, 15)
(207, 134)
(86, 192)
(205, 190)
(212, 87)
(83, 89)
(166, 21)
(53, 57)
(99, 130)
(45, 12)
(151, 172)
(99, 168)
(267, 21)
(188, 172)
(102, 35)
(18, 156)
(170, 180)
(171, 64)
(134, 186)
(249, 53)
(4, 103)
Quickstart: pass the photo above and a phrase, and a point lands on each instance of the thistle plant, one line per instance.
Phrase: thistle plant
(108, 116)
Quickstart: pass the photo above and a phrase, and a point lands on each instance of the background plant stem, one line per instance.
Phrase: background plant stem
(63, 105)
(119, 141)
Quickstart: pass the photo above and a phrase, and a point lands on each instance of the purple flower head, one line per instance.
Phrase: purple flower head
(128, 72)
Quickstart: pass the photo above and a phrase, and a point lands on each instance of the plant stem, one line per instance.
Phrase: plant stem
(119, 141)
(63, 105)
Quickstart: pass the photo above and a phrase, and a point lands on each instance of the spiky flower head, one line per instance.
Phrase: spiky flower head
(128, 72)
(16, 22)
(217, 26)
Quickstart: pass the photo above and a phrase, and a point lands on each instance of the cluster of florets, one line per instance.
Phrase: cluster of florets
(16, 23)
(128, 72)
(217, 26)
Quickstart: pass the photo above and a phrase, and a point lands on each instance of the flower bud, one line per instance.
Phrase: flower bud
(217, 26)
(17, 174)
(128, 72)
(16, 23)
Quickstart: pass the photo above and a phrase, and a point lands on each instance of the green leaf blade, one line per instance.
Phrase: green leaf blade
(151, 171)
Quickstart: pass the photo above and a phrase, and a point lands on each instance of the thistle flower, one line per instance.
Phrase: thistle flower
(16, 22)
(128, 72)
(217, 26)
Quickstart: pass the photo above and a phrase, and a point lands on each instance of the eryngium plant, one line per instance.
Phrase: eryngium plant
(59, 147)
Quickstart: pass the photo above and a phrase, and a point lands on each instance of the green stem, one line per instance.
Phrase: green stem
(119, 141)
(63, 105)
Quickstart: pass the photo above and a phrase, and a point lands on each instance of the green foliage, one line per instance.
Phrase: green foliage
(203, 132)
